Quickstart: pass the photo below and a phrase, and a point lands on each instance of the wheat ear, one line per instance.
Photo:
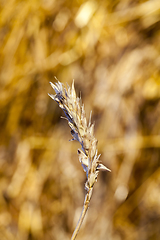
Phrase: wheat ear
(84, 134)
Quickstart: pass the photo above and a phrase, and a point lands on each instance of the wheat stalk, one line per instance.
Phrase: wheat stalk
(84, 134)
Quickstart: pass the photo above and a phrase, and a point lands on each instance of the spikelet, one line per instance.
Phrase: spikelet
(80, 130)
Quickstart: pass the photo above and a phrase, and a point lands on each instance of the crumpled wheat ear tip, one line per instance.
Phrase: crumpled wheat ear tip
(51, 96)
(52, 85)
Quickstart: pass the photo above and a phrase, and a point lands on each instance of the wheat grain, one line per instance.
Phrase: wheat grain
(84, 134)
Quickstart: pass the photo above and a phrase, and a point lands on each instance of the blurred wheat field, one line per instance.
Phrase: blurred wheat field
(112, 51)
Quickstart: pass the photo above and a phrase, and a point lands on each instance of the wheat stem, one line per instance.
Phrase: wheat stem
(83, 213)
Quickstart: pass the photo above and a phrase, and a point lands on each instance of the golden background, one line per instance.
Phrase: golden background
(112, 51)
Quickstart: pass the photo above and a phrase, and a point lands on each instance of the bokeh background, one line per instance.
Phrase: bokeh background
(112, 51)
